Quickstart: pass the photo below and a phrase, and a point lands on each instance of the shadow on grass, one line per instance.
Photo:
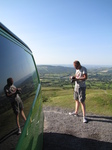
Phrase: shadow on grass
(57, 141)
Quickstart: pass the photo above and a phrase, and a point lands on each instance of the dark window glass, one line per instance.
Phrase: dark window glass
(18, 64)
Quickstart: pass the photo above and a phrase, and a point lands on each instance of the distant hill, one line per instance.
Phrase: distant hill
(48, 69)
(59, 76)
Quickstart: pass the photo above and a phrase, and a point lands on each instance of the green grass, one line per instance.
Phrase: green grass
(97, 101)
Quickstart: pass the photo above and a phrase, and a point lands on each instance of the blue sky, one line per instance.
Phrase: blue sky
(61, 31)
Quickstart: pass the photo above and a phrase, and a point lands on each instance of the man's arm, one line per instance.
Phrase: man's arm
(8, 94)
(84, 77)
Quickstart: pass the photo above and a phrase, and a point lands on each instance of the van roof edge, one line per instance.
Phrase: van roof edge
(12, 34)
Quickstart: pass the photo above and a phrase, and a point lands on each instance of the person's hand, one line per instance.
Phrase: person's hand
(73, 79)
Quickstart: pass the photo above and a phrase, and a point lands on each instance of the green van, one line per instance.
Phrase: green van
(23, 95)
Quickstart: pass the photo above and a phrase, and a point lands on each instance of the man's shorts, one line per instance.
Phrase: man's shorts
(17, 106)
(80, 94)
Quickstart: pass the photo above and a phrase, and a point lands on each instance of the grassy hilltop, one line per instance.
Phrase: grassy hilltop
(57, 89)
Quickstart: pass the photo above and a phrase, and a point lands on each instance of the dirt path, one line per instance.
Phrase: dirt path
(64, 132)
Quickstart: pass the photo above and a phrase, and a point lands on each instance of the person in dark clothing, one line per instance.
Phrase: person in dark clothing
(12, 93)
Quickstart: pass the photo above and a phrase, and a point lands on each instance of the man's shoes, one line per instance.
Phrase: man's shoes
(84, 120)
(73, 113)
(19, 130)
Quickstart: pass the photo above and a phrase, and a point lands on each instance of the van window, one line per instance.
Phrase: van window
(17, 63)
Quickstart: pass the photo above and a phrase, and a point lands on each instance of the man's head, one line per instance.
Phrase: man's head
(9, 81)
(77, 64)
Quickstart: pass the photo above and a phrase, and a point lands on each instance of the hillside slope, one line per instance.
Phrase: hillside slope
(43, 69)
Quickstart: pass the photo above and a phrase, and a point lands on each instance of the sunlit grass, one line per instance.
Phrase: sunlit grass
(97, 101)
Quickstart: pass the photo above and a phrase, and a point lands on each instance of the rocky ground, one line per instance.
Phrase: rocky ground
(64, 132)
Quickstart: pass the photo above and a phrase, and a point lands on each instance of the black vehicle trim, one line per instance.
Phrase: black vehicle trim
(13, 35)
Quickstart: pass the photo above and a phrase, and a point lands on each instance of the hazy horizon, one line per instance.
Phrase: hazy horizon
(70, 65)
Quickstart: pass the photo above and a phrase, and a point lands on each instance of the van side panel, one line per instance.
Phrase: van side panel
(17, 62)
(32, 134)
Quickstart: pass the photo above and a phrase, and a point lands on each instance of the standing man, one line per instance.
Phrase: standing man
(80, 89)
(13, 95)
